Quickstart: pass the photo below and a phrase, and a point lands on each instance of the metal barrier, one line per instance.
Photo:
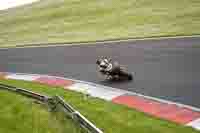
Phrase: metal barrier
(53, 103)
(84, 123)
(24, 92)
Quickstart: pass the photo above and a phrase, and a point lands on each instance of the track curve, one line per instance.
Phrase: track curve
(167, 68)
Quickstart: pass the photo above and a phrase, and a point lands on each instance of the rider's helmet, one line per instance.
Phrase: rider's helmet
(103, 62)
(103, 59)
(98, 62)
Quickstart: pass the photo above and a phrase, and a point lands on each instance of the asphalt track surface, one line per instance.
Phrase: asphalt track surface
(167, 68)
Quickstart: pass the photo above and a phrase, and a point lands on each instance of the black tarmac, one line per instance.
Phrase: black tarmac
(167, 68)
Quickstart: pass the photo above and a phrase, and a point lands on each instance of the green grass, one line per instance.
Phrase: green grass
(90, 20)
(19, 114)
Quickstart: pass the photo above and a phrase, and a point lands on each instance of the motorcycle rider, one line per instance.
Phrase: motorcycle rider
(107, 66)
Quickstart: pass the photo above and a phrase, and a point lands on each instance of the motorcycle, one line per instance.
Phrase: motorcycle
(113, 71)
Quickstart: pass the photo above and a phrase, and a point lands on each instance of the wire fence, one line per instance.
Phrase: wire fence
(53, 103)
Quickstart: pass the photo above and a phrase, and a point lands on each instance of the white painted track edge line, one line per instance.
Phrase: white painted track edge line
(101, 42)
(195, 124)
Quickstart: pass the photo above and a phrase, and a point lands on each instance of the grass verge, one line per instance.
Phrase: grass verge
(90, 20)
(19, 115)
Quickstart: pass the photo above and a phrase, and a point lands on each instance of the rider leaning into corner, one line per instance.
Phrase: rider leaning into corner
(112, 69)
(107, 65)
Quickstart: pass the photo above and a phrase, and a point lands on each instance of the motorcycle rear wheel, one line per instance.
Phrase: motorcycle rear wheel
(127, 75)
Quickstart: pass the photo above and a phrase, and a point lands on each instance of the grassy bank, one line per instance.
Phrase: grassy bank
(90, 20)
(21, 115)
